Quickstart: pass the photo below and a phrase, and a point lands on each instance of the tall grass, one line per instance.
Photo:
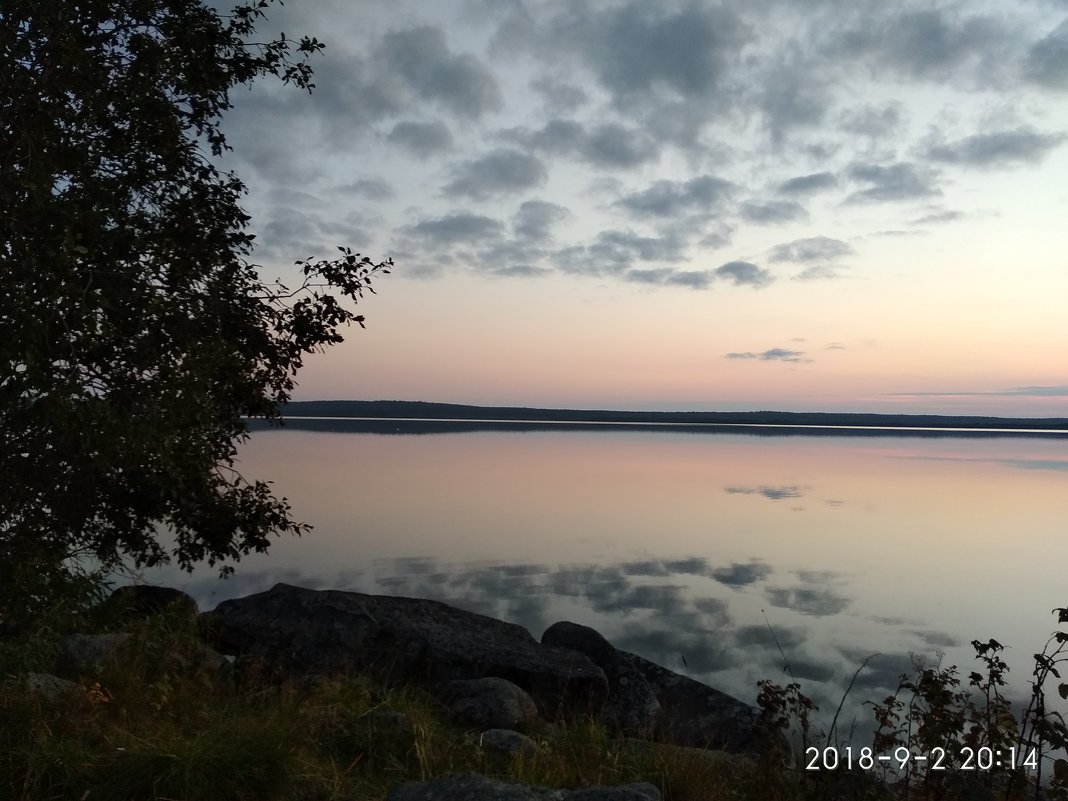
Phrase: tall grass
(160, 724)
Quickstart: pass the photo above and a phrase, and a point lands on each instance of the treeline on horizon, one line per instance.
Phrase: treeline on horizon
(454, 411)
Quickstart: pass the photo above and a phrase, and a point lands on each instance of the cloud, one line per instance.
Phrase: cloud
(559, 96)
(818, 272)
(763, 638)
(773, 212)
(742, 574)
(717, 234)
(812, 670)
(931, 44)
(770, 355)
(517, 258)
(808, 184)
(771, 493)
(998, 149)
(939, 217)
(688, 640)
(740, 273)
(892, 182)
(816, 248)
(671, 198)
(627, 246)
(535, 219)
(883, 673)
(694, 279)
(613, 251)
(666, 601)
(456, 228)
(370, 188)
(521, 271)
(612, 145)
(499, 172)
(938, 639)
(302, 231)
(872, 121)
(421, 57)
(691, 566)
(1046, 62)
(648, 567)
(608, 145)
(639, 49)
(1012, 392)
(793, 96)
(819, 602)
(743, 273)
(1037, 392)
(715, 608)
(421, 138)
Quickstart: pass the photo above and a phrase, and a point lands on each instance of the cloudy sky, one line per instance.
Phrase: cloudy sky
(829, 204)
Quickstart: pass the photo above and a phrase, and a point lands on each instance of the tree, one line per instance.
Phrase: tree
(135, 335)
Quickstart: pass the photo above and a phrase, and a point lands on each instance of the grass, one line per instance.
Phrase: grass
(155, 726)
(159, 726)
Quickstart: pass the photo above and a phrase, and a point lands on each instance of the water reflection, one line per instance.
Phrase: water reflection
(672, 622)
(771, 493)
(685, 549)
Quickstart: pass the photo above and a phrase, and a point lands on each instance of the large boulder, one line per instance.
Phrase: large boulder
(402, 639)
(89, 655)
(139, 601)
(488, 703)
(507, 744)
(48, 686)
(473, 787)
(79, 655)
(694, 714)
(632, 706)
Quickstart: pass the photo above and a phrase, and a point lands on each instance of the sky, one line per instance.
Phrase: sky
(834, 205)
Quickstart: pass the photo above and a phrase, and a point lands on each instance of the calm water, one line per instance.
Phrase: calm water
(676, 545)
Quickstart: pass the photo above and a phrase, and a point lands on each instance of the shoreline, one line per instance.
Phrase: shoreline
(411, 412)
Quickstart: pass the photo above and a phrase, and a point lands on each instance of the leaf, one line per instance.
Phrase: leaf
(1060, 771)
(168, 322)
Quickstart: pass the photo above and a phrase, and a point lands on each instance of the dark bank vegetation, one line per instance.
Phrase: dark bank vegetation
(163, 724)
(421, 410)
(136, 336)
(939, 735)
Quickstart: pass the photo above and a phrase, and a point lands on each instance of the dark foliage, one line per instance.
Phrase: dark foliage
(135, 335)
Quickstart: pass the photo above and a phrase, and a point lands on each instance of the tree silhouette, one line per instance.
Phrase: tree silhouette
(135, 335)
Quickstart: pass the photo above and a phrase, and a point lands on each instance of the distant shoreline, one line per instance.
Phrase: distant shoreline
(425, 412)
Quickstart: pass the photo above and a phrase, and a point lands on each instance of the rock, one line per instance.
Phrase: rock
(139, 601)
(694, 714)
(507, 743)
(488, 703)
(641, 791)
(81, 655)
(472, 787)
(402, 639)
(467, 787)
(49, 686)
(689, 754)
(197, 659)
(88, 654)
(632, 706)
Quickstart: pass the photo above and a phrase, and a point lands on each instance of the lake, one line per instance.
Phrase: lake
(689, 547)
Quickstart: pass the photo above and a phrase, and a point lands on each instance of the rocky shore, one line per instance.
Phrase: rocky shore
(494, 678)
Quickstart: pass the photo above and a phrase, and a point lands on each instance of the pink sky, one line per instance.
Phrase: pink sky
(681, 205)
